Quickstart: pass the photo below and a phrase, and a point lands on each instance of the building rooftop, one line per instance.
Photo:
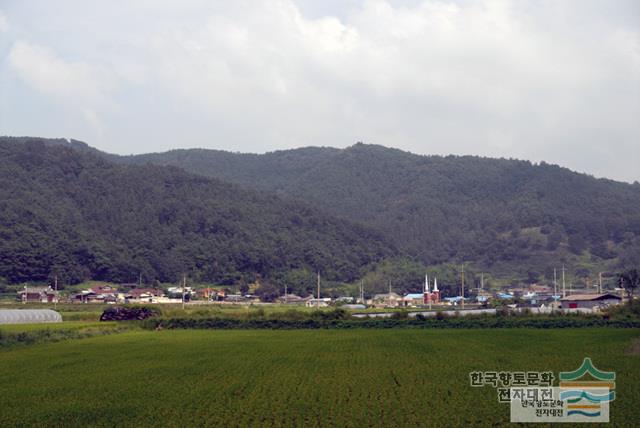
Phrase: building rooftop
(589, 297)
(391, 295)
(414, 296)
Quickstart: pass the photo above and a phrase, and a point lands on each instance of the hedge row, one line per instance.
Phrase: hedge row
(32, 337)
(497, 322)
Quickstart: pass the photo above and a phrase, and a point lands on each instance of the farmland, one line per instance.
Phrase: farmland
(302, 377)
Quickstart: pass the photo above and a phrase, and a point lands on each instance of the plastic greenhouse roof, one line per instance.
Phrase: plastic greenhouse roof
(29, 316)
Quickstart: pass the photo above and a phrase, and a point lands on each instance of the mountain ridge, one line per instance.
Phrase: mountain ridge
(86, 217)
(513, 217)
(465, 205)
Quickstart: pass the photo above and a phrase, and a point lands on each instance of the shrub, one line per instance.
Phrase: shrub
(129, 313)
(400, 315)
(256, 314)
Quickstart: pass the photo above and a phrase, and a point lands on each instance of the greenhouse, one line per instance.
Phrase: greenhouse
(29, 316)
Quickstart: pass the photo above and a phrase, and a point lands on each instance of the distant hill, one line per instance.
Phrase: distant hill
(65, 208)
(508, 216)
(512, 219)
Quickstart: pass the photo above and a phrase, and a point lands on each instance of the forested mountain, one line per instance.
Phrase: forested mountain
(66, 210)
(502, 215)
(291, 212)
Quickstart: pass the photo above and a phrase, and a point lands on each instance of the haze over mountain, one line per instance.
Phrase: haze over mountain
(76, 214)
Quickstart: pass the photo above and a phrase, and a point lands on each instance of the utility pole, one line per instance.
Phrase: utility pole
(55, 296)
(600, 281)
(462, 286)
(184, 285)
(389, 299)
(285, 292)
(564, 290)
(318, 299)
(362, 291)
(482, 281)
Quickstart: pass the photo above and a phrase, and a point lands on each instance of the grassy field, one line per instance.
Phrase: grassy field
(91, 312)
(302, 377)
(71, 325)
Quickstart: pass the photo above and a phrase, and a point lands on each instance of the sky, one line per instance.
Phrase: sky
(552, 80)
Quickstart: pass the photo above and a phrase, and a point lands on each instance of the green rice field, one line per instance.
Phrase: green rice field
(391, 377)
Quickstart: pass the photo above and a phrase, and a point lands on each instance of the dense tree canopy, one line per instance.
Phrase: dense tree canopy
(68, 207)
(77, 215)
(501, 214)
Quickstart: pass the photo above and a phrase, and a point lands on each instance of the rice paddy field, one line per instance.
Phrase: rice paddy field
(391, 377)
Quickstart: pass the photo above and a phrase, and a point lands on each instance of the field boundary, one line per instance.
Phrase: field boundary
(11, 339)
(467, 323)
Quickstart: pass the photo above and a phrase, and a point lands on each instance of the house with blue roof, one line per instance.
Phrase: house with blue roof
(413, 300)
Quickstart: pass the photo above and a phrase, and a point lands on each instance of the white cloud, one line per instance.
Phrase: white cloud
(555, 80)
(4, 22)
(82, 88)
(47, 72)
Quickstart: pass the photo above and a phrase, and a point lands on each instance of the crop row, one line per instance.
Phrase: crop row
(480, 322)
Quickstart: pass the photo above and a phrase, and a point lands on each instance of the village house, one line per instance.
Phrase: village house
(292, 299)
(242, 298)
(143, 295)
(38, 295)
(319, 303)
(589, 301)
(413, 300)
(178, 291)
(210, 294)
(541, 289)
(98, 294)
(382, 300)
(483, 296)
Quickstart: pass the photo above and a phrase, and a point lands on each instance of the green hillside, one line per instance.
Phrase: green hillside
(513, 218)
(70, 212)
(334, 209)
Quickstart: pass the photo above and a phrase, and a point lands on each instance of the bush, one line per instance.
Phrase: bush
(129, 313)
(256, 314)
(31, 337)
(336, 314)
(468, 322)
(400, 315)
(289, 315)
(625, 311)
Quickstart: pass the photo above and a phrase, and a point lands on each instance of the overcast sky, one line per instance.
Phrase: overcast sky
(542, 80)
